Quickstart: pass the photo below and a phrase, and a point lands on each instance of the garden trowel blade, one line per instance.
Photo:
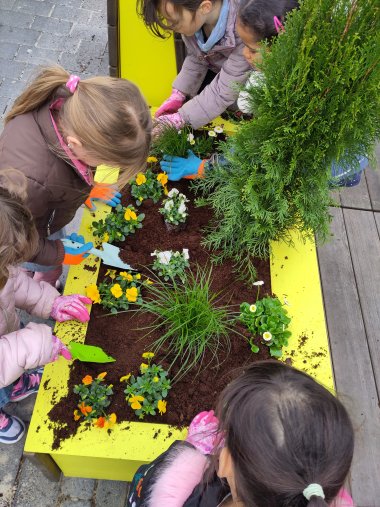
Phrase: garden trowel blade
(89, 353)
(111, 257)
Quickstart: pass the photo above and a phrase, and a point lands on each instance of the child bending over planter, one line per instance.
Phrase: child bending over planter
(257, 20)
(214, 56)
(34, 345)
(280, 439)
(58, 130)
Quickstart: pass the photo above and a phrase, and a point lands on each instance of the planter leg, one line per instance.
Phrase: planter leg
(46, 464)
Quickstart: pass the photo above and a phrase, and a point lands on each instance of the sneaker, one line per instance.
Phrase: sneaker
(12, 428)
(28, 384)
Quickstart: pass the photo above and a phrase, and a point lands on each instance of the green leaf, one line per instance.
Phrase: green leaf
(89, 353)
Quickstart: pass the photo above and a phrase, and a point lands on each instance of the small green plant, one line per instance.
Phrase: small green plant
(118, 224)
(178, 142)
(170, 265)
(148, 185)
(117, 291)
(174, 208)
(194, 322)
(146, 393)
(94, 397)
(268, 319)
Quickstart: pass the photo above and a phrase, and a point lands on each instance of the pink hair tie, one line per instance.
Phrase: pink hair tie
(72, 83)
(278, 25)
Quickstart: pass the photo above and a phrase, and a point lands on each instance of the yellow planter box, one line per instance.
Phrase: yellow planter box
(96, 454)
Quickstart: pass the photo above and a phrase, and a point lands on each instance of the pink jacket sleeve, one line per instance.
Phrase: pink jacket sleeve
(23, 350)
(36, 298)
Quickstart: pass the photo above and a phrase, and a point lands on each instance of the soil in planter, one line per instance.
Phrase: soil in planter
(119, 337)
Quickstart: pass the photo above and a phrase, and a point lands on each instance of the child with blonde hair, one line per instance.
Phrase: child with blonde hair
(58, 130)
(34, 345)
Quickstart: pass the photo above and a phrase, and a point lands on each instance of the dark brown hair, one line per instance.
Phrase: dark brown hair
(148, 10)
(18, 234)
(284, 431)
(257, 15)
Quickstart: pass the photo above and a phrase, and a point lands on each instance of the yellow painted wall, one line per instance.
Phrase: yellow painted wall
(145, 59)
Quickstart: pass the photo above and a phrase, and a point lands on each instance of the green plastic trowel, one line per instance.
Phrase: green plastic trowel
(89, 353)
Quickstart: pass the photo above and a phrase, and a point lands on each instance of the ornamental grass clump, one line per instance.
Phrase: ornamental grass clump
(94, 399)
(117, 291)
(268, 320)
(149, 185)
(121, 222)
(194, 325)
(318, 102)
(146, 393)
(170, 265)
(174, 209)
(173, 142)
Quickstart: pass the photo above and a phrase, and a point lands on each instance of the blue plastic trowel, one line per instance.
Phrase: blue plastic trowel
(110, 254)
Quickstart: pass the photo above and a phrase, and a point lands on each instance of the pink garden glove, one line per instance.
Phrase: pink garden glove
(202, 432)
(174, 120)
(172, 104)
(59, 349)
(71, 308)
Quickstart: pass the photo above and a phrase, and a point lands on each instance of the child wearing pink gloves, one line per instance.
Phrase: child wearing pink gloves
(34, 345)
(279, 439)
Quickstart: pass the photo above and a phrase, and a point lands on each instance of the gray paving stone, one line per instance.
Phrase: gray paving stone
(94, 5)
(10, 34)
(16, 19)
(52, 25)
(88, 58)
(72, 13)
(4, 103)
(8, 50)
(111, 493)
(30, 72)
(77, 489)
(34, 7)
(6, 4)
(90, 33)
(11, 69)
(57, 42)
(11, 88)
(10, 456)
(37, 56)
(99, 19)
(72, 503)
(33, 488)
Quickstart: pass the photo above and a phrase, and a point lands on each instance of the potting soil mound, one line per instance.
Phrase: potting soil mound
(123, 337)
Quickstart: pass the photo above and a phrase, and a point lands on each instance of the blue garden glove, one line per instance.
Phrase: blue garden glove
(178, 167)
(103, 192)
(76, 255)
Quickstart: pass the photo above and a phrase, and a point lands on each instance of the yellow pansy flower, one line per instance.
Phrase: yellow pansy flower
(162, 178)
(132, 294)
(111, 273)
(138, 276)
(148, 355)
(126, 276)
(92, 292)
(106, 237)
(102, 375)
(116, 291)
(155, 379)
(143, 367)
(135, 401)
(125, 377)
(76, 415)
(140, 179)
(151, 160)
(130, 214)
(161, 405)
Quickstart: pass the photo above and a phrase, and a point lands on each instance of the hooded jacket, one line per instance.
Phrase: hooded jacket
(55, 188)
(226, 60)
(30, 347)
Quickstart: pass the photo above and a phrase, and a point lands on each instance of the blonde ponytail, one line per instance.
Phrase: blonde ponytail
(39, 91)
(18, 234)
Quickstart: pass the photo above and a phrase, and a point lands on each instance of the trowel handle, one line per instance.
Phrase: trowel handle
(74, 244)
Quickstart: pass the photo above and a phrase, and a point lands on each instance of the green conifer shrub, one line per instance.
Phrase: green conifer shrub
(319, 102)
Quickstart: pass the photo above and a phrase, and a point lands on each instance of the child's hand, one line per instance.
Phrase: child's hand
(172, 104)
(103, 192)
(173, 120)
(75, 255)
(203, 433)
(71, 307)
(178, 167)
(59, 349)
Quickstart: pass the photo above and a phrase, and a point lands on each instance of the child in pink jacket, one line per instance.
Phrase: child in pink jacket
(35, 345)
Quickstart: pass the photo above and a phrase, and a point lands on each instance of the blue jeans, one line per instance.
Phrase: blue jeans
(5, 394)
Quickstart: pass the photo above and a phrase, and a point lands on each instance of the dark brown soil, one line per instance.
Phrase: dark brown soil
(119, 335)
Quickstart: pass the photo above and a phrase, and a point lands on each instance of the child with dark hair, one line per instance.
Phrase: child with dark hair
(208, 29)
(282, 440)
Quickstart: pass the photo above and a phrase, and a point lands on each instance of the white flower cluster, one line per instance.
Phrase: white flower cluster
(165, 256)
(217, 130)
(174, 210)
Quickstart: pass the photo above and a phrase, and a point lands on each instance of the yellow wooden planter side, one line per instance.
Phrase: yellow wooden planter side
(145, 59)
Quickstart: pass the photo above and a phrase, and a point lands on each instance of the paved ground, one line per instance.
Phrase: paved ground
(74, 34)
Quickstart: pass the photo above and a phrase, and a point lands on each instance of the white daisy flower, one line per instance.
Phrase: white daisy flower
(185, 252)
(211, 133)
(252, 308)
(267, 336)
(173, 192)
(218, 129)
(260, 282)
